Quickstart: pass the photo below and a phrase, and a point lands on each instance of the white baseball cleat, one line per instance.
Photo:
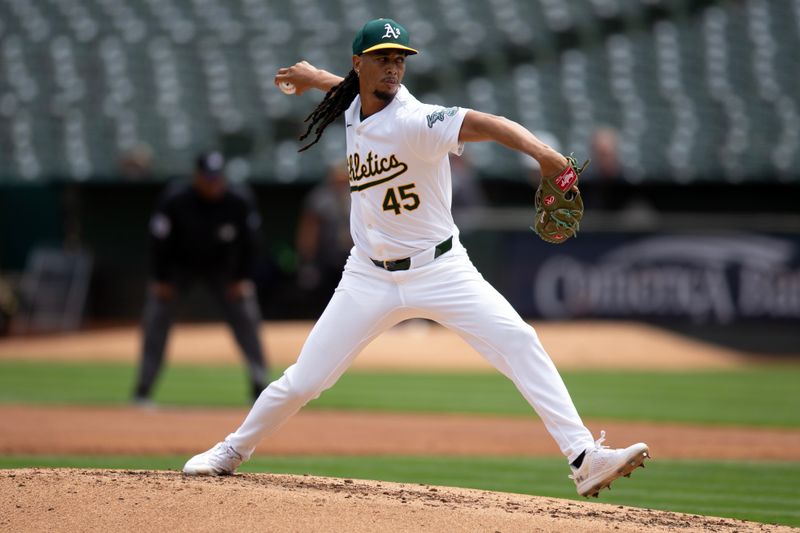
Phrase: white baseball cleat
(221, 460)
(602, 465)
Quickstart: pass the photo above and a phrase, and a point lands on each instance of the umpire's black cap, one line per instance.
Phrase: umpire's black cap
(210, 164)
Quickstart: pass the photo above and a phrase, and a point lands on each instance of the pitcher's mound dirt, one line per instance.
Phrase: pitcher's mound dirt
(143, 501)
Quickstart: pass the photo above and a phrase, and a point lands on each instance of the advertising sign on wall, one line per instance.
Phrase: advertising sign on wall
(719, 279)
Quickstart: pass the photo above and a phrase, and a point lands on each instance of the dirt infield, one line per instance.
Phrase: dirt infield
(109, 431)
(113, 500)
(411, 345)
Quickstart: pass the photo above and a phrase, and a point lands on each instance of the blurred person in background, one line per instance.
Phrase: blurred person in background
(605, 182)
(8, 307)
(467, 192)
(203, 232)
(136, 163)
(323, 240)
(605, 173)
(605, 155)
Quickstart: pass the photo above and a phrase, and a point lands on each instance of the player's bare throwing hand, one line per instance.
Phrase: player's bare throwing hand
(408, 261)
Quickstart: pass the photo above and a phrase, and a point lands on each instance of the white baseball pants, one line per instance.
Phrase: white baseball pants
(450, 291)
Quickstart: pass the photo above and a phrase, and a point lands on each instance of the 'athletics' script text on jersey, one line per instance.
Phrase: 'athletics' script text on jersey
(381, 168)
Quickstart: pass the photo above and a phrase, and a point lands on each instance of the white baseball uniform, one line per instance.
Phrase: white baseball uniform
(401, 193)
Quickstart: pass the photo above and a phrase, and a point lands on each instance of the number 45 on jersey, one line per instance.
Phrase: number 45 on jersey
(407, 200)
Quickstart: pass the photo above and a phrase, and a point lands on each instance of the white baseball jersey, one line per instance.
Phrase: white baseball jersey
(400, 175)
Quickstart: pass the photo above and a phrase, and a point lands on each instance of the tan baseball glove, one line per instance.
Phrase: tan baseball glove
(559, 206)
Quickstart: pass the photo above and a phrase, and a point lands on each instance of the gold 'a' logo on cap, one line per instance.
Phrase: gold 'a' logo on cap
(393, 33)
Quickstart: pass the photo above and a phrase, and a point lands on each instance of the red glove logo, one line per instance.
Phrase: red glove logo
(565, 180)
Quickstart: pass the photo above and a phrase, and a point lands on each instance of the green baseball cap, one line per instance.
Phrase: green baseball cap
(380, 34)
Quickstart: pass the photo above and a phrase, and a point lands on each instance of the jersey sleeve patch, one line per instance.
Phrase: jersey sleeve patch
(440, 115)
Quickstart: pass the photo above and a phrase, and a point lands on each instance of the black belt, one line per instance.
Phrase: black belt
(404, 264)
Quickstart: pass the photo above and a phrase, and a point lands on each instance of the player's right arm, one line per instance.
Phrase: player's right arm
(306, 76)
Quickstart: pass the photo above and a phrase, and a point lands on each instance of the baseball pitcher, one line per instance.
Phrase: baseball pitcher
(408, 261)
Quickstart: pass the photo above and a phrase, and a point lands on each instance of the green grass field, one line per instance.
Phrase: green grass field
(762, 491)
(760, 397)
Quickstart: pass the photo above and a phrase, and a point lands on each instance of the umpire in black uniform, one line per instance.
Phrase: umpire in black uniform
(203, 232)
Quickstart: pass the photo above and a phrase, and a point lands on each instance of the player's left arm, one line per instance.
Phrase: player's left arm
(479, 127)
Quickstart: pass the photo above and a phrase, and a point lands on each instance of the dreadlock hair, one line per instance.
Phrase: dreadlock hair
(336, 102)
